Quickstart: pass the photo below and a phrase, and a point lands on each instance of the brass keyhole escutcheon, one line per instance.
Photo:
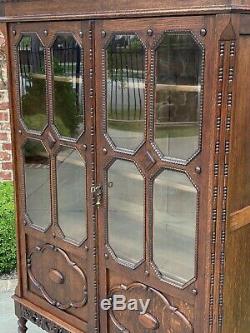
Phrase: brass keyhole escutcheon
(97, 190)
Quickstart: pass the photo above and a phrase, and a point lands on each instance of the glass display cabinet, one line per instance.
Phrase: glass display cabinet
(130, 129)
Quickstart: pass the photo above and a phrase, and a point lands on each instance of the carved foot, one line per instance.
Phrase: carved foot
(22, 325)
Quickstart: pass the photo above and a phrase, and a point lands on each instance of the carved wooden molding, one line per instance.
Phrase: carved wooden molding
(92, 101)
(57, 278)
(225, 81)
(220, 79)
(40, 321)
(152, 321)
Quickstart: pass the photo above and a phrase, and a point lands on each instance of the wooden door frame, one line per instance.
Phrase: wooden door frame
(203, 285)
(202, 27)
(83, 33)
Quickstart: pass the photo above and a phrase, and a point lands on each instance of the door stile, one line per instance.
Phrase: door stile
(81, 252)
(12, 75)
(149, 105)
(100, 149)
(54, 231)
(5, 28)
(20, 138)
(92, 246)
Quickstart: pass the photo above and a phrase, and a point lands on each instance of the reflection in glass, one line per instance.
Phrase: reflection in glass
(71, 194)
(37, 183)
(178, 95)
(126, 211)
(32, 82)
(68, 90)
(125, 91)
(174, 226)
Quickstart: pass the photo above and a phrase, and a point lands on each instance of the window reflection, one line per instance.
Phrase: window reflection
(37, 183)
(125, 91)
(178, 95)
(174, 226)
(126, 211)
(68, 87)
(71, 194)
(32, 82)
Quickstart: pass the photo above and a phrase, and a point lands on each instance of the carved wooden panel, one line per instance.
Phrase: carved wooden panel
(39, 320)
(225, 99)
(58, 277)
(161, 315)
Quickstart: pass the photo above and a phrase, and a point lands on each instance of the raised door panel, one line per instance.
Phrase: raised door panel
(52, 107)
(152, 164)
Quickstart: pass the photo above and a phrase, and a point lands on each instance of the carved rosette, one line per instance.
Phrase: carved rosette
(160, 315)
(58, 273)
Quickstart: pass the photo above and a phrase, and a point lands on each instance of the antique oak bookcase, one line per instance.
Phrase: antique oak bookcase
(131, 142)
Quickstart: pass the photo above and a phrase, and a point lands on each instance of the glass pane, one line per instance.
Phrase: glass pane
(37, 183)
(71, 194)
(175, 226)
(68, 86)
(32, 82)
(126, 211)
(178, 95)
(125, 91)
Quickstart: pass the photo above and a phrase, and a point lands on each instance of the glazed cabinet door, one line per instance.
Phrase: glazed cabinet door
(53, 123)
(152, 166)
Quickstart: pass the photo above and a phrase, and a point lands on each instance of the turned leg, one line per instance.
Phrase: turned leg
(22, 328)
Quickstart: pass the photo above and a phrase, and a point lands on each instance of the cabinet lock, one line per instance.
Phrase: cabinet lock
(98, 191)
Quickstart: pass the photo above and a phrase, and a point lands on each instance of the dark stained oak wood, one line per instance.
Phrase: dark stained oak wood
(56, 276)
(237, 269)
(61, 283)
(148, 321)
(22, 328)
(244, 24)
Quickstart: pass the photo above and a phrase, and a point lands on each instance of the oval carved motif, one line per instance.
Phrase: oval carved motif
(148, 321)
(56, 276)
(161, 315)
(39, 255)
